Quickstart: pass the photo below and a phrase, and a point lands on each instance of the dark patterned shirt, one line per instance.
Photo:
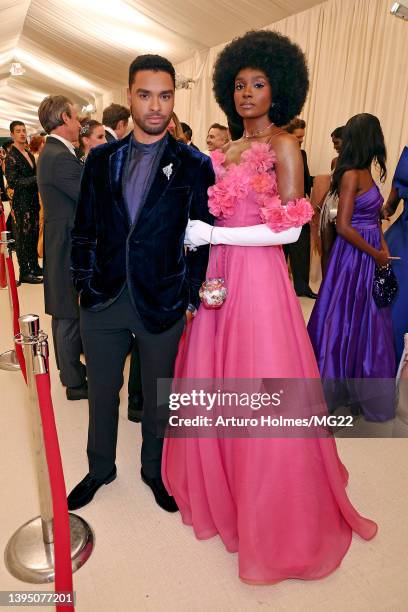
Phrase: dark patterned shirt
(141, 167)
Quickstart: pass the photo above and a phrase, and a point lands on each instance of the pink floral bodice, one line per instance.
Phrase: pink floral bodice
(247, 193)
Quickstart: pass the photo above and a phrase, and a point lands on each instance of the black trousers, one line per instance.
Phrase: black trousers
(299, 255)
(135, 377)
(107, 338)
(27, 227)
(68, 348)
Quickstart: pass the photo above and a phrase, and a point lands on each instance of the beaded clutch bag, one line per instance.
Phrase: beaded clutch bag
(385, 286)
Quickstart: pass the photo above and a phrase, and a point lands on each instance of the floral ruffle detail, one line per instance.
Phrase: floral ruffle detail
(234, 182)
(281, 217)
(254, 173)
(222, 196)
(259, 157)
(218, 158)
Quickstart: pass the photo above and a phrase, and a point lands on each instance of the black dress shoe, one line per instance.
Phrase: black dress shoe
(84, 492)
(163, 499)
(31, 279)
(307, 293)
(135, 408)
(37, 272)
(77, 393)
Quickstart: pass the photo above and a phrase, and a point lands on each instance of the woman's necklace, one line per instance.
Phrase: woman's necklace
(257, 132)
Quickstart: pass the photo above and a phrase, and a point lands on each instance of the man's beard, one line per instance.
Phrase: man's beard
(152, 130)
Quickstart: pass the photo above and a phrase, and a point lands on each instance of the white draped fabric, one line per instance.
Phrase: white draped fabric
(83, 48)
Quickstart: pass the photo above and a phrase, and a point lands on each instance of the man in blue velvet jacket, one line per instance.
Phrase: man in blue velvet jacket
(130, 269)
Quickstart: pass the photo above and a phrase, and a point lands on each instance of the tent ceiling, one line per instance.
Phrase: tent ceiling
(83, 47)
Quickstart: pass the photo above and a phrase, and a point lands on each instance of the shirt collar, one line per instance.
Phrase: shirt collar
(66, 142)
(147, 148)
(112, 132)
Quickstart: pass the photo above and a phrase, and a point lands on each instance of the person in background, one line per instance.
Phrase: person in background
(217, 137)
(235, 129)
(351, 336)
(175, 129)
(37, 143)
(328, 208)
(188, 134)
(337, 139)
(91, 134)
(20, 171)
(3, 188)
(298, 253)
(396, 238)
(115, 119)
(59, 176)
(8, 197)
(7, 144)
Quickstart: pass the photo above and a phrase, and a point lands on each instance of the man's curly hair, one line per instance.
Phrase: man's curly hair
(281, 60)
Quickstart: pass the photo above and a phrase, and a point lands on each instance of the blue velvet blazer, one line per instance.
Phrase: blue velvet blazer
(108, 251)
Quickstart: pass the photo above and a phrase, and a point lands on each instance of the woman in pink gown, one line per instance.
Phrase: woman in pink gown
(279, 502)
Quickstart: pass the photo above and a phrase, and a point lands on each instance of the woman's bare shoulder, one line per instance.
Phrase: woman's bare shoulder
(284, 142)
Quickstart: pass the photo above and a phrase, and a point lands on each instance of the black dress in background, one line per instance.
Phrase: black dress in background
(21, 177)
(299, 252)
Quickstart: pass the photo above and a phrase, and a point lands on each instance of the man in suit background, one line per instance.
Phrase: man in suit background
(131, 271)
(115, 119)
(188, 133)
(59, 175)
(20, 170)
(299, 252)
(217, 137)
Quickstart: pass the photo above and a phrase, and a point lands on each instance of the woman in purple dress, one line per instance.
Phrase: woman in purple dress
(352, 337)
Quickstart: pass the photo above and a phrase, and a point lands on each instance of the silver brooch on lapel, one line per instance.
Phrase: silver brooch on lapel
(168, 171)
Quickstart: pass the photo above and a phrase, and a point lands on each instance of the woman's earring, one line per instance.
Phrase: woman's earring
(273, 104)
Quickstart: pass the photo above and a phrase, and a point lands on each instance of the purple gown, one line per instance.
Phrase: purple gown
(352, 338)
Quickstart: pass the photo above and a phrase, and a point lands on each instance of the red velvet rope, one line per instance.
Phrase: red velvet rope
(62, 541)
(3, 278)
(16, 315)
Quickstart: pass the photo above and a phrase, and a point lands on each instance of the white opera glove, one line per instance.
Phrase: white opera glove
(198, 234)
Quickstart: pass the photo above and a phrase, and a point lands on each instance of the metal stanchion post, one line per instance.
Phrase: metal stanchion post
(29, 554)
(8, 359)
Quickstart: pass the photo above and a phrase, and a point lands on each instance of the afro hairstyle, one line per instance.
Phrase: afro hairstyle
(279, 58)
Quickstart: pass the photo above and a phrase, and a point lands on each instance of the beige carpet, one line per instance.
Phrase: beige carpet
(145, 559)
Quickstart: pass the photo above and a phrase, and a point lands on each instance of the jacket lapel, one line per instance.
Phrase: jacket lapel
(117, 166)
(26, 162)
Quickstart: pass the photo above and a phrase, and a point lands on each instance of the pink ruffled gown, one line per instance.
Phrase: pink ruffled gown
(280, 503)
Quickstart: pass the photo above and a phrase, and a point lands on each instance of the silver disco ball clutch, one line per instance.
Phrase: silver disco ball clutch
(213, 291)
